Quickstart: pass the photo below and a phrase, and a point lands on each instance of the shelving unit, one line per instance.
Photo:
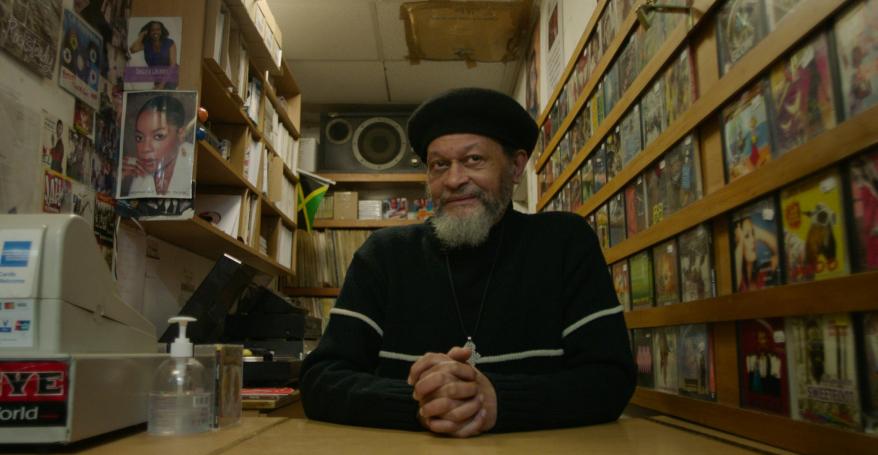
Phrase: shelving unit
(215, 64)
(853, 293)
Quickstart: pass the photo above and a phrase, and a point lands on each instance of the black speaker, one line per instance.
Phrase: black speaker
(366, 142)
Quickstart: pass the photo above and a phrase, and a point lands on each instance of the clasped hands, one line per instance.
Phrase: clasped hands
(455, 398)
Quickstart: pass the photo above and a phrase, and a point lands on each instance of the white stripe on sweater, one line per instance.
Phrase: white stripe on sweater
(359, 316)
(589, 318)
(487, 359)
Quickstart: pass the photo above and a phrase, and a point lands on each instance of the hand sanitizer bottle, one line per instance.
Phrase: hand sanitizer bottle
(180, 399)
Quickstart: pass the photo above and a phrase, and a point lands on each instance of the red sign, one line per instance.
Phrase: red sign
(33, 381)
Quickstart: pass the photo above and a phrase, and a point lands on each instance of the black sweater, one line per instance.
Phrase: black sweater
(552, 335)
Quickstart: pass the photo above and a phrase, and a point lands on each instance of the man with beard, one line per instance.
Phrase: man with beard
(482, 318)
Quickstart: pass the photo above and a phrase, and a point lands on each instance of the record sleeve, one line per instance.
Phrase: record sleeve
(756, 246)
(762, 363)
(680, 88)
(620, 283)
(600, 167)
(590, 219)
(666, 273)
(746, 140)
(564, 150)
(584, 124)
(655, 197)
(686, 172)
(740, 24)
(611, 88)
(576, 139)
(863, 172)
(869, 370)
(696, 264)
(629, 135)
(614, 155)
(629, 63)
(587, 180)
(635, 207)
(651, 38)
(801, 94)
(643, 357)
(575, 185)
(652, 109)
(823, 375)
(815, 245)
(594, 109)
(617, 218)
(640, 269)
(541, 182)
(695, 362)
(665, 352)
(856, 38)
(602, 220)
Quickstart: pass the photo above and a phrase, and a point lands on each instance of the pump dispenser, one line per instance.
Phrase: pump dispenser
(180, 400)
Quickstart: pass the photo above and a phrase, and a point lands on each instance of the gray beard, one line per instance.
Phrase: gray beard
(472, 229)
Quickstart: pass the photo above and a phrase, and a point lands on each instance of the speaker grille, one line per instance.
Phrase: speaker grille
(379, 143)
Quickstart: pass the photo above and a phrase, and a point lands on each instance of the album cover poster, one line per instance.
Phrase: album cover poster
(584, 124)
(746, 140)
(822, 359)
(863, 172)
(617, 218)
(79, 160)
(778, 9)
(643, 357)
(696, 264)
(609, 24)
(695, 362)
(532, 100)
(687, 182)
(635, 207)
(82, 51)
(640, 268)
(575, 131)
(593, 119)
(83, 118)
(53, 143)
(654, 178)
(629, 135)
(600, 167)
(740, 24)
(580, 75)
(801, 94)
(29, 32)
(756, 246)
(154, 44)
(611, 88)
(665, 351)
(614, 154)
(652, 109)
(602, 220)
(154, 168)
(762, 362)
(666, 273)
(594, 50)
(629, 63)
(56, 192)
(815, 246)
(869, 369)
(600, 106)
(671, 182)
(651, 38)
(680, 87)
(575, 185)
(563, 150)
(856, 38)
(620, 283)
(83, 202)
(587, 179)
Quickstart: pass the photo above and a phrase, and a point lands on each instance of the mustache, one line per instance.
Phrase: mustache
(464, 192)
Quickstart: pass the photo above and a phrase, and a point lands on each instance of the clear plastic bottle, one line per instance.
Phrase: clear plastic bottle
(180, 398)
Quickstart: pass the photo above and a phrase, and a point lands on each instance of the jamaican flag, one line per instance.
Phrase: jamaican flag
(311, 190)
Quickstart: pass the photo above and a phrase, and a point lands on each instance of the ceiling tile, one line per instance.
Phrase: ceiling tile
(392, 30)
(340, 82)
(415, 83)
(326, 29)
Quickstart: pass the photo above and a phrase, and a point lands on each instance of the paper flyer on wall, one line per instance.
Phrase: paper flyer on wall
(29, 32)
(82, 50)
(554, 43)
(154, 44)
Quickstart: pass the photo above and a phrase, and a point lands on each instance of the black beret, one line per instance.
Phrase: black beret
(472, 110)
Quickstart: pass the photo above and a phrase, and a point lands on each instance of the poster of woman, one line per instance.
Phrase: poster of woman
(154, 45)
(158, 145)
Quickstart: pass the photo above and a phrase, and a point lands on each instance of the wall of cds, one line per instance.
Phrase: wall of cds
(727, 159)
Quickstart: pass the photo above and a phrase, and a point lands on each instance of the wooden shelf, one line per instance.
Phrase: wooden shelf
(800, 22)
(362, 224)
(281, 111)
(826, 149)
(408, 177)
(276, 211)
(211, 169)
(205, 239)
(780, 431)
(221, 105)
(312, 292)
(212, 66)
(259, 53)
(838, 295)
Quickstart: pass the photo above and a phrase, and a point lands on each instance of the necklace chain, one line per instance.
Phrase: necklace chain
(469, 338)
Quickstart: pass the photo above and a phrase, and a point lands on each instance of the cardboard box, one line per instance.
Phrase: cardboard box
(225, 364)
(345, 205)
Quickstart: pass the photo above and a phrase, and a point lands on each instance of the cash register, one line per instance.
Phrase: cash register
(75, 360)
